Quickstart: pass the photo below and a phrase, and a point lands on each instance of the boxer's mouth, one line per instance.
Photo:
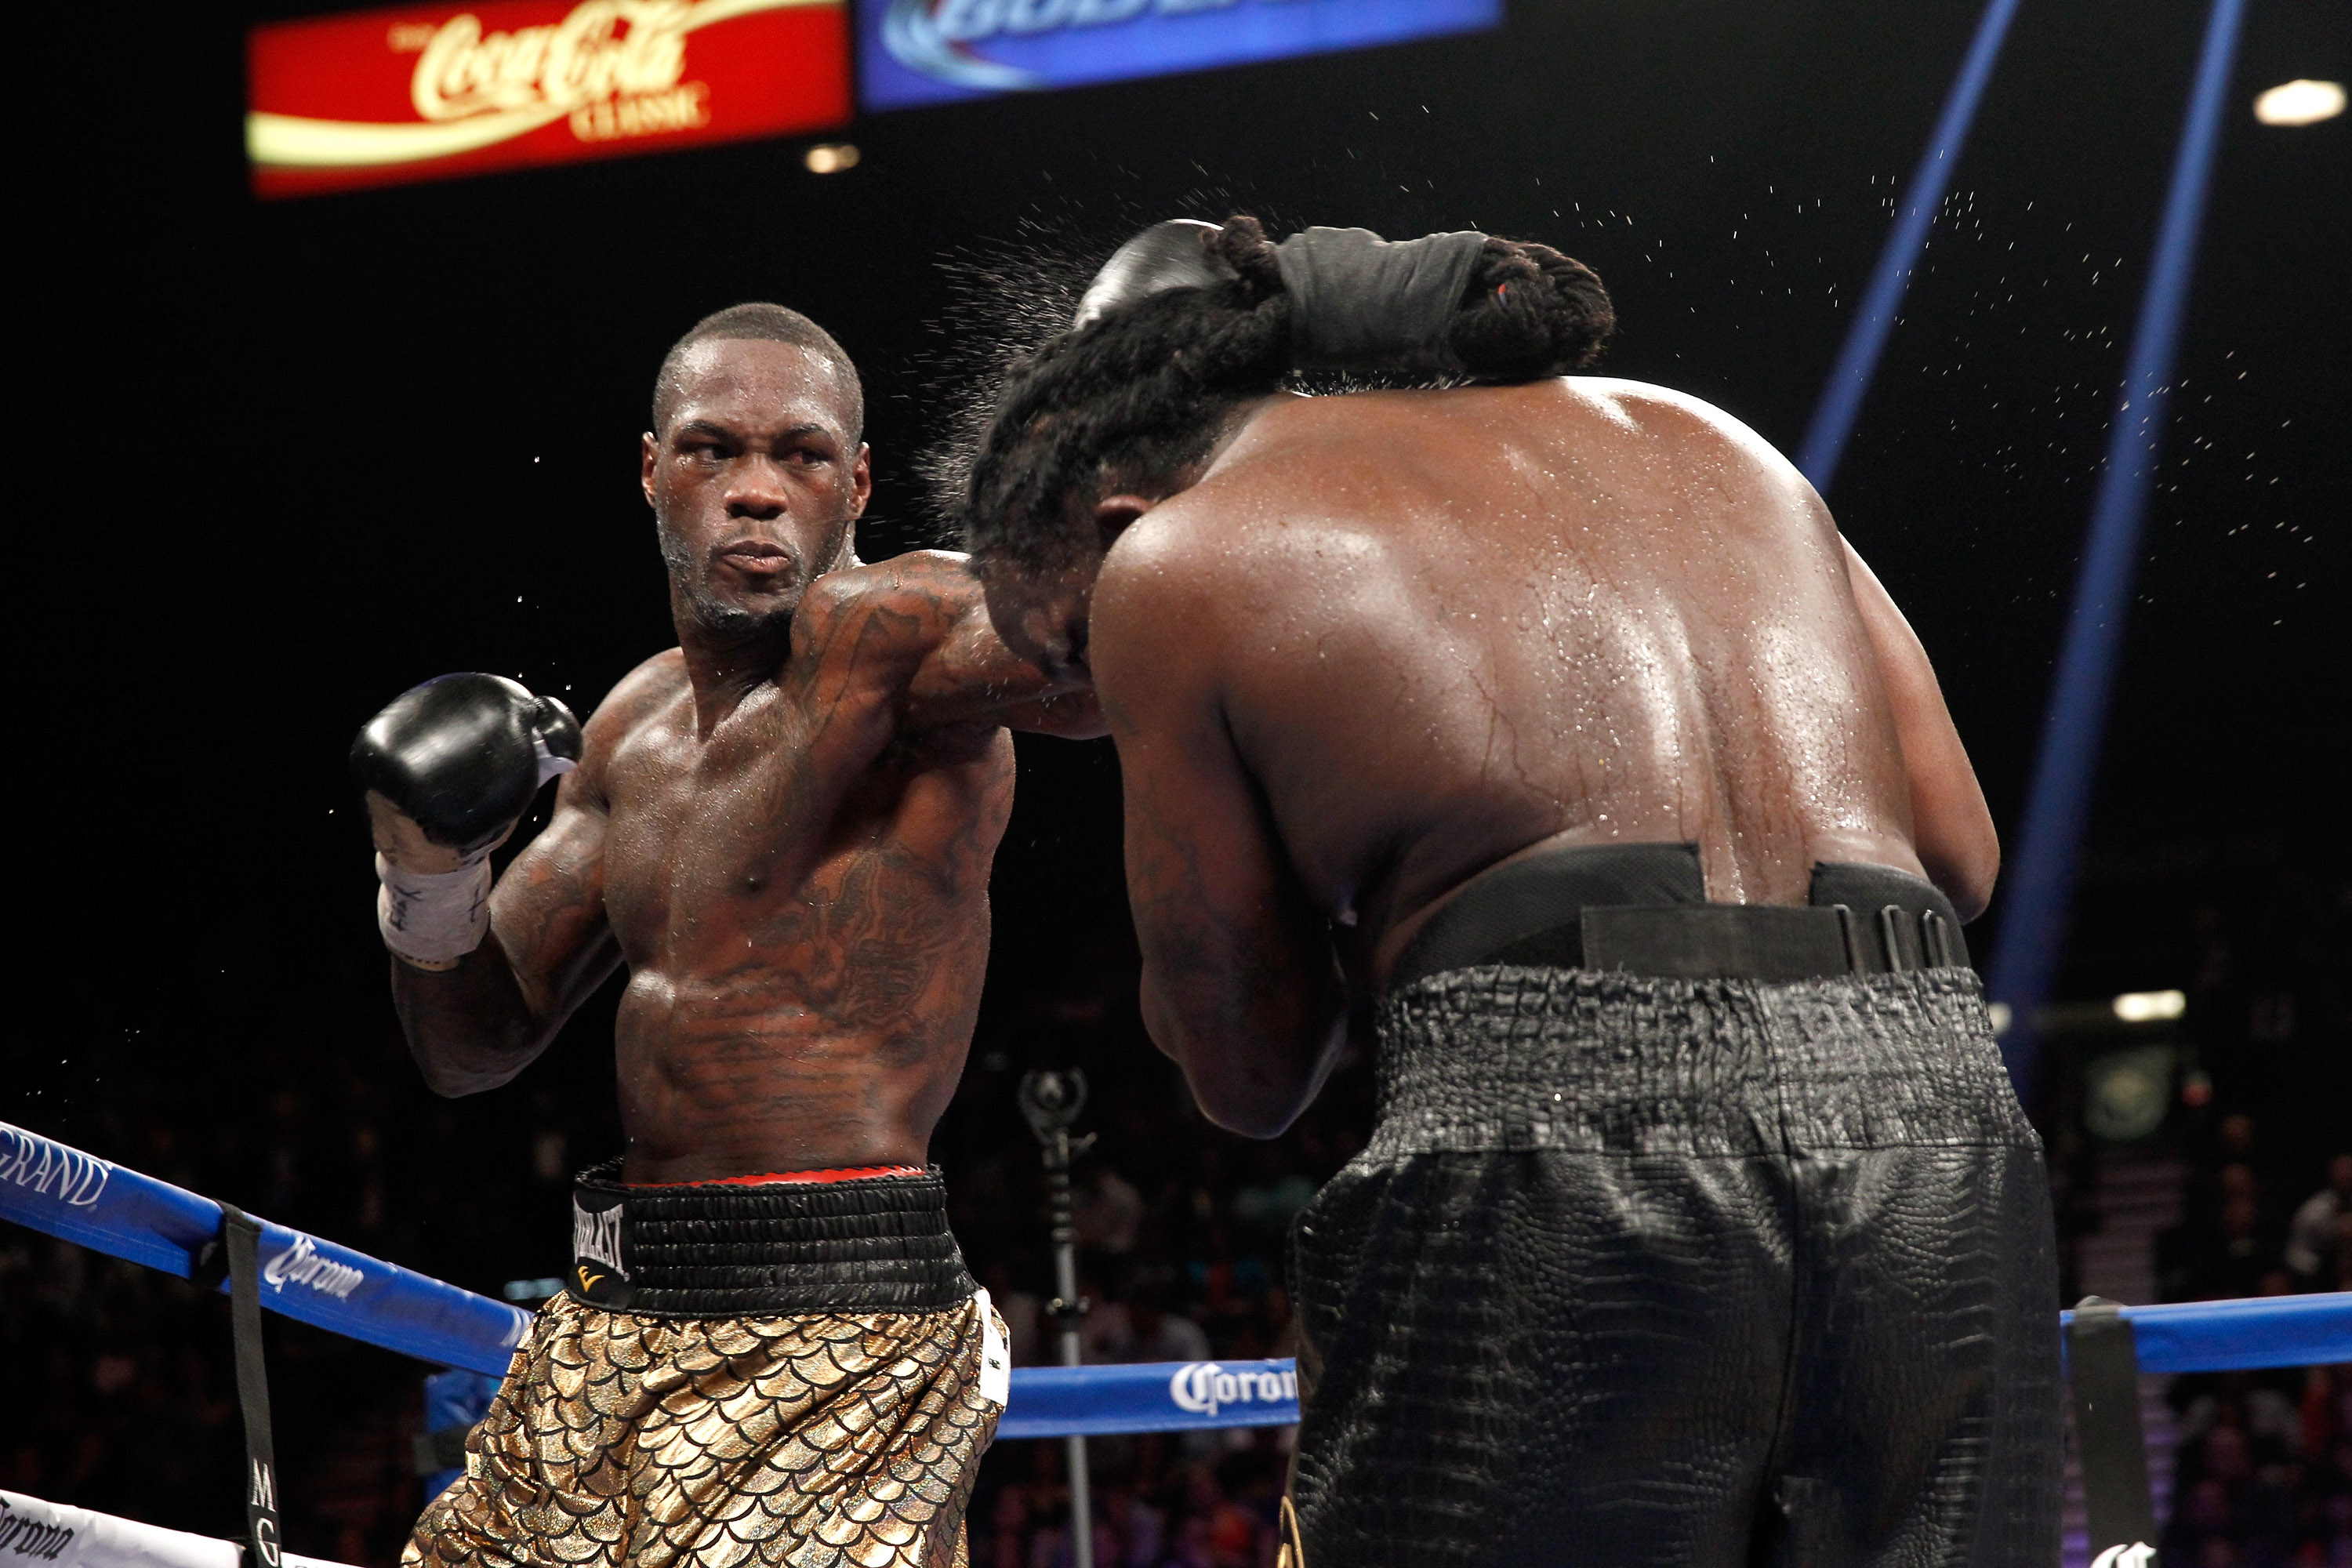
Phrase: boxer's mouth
(751, 556)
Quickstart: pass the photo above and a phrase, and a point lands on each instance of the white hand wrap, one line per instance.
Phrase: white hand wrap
(551, 766)
(433, 917)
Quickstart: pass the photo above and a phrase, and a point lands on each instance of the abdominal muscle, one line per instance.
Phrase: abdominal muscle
(738, 1081)
(819, 1025)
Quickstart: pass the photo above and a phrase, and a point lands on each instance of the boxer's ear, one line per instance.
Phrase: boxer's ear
(1115, 513)
(861, 481)
(648, 450)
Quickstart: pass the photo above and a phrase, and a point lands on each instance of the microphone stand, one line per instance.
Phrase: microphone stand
(1050, 1101)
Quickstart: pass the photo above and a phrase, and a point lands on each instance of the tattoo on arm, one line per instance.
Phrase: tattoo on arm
(916, 627)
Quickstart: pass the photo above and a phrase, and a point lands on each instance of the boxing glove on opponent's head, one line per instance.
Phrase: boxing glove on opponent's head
(462, 755)
(1357, 302)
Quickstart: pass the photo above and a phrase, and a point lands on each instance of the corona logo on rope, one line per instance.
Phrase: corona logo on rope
(423, 92)
(1204, 1387)
(34, 1539)
(303, 1264)
(2138, 1554)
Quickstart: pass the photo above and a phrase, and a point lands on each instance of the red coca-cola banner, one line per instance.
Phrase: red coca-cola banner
(423, 92)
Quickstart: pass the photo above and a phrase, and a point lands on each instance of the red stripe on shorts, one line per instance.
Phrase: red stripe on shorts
(852, 1173)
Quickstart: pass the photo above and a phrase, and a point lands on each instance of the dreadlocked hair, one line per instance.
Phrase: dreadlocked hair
(1141, 394)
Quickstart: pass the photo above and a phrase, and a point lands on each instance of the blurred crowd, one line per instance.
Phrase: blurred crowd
(2261, 1138)
(2262, 1476)
(119, 1377)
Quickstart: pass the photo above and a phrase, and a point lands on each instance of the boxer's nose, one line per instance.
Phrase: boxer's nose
(755, 489)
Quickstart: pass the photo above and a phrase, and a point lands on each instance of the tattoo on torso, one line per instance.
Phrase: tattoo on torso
(806, 927)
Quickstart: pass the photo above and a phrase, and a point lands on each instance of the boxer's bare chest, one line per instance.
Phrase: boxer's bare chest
(755, 856)
(804, 918)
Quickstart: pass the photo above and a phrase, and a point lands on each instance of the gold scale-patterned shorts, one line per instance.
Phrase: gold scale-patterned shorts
(808, 1439)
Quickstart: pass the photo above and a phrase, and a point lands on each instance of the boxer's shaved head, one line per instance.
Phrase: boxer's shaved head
(758, 322)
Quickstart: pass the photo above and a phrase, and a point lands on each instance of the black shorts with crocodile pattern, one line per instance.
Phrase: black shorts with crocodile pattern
(1686, 1271)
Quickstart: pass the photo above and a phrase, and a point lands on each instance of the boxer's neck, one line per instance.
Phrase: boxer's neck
(729, 653)
(726, 664)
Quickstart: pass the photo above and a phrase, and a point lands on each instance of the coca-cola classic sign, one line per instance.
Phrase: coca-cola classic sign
(419, 92)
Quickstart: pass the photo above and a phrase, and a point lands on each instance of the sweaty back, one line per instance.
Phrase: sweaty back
(1454, 625)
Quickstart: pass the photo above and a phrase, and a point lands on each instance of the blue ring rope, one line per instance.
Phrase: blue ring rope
(48, 1186)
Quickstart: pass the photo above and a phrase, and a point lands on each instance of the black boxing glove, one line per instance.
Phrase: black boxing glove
(461, 757)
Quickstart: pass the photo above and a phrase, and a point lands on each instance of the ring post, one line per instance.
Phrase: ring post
(2103, 1366)
(1050, 1101)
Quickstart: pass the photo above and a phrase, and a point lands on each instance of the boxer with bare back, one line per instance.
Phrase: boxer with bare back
(1550, 718)
(768, 1349)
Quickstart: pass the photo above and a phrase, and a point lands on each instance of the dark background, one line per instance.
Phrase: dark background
(283, 460)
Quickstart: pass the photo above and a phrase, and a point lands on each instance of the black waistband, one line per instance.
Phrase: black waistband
(1642, 909)
(878, 1244)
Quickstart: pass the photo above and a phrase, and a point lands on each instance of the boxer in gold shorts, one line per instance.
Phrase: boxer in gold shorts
(651, 1437)
(781, 828)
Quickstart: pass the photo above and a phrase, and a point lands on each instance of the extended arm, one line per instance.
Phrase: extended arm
(1950, 826)
(474, 1026)
(918, 628)
(1241, 984)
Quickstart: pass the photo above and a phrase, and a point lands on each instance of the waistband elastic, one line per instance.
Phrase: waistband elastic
(1642, 909)
(719, 1249)
(1510, 1058)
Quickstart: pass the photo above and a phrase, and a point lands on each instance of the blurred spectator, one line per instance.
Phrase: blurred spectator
(1275, 1193)
(2236, 1401)
(1108, 1210)
(2227, 1241)
(1022, 1312)
(2313, 1244)
(1156, 1333)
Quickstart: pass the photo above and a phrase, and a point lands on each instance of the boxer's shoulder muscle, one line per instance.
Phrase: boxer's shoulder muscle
(624, 720)
(874, 622)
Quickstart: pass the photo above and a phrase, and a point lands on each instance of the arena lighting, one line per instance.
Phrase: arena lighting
(830, 157)
(936, 51)
(2131, 1007)
(1857, 361)
(2300, 103)
(2042, 887)
(2150, 1006)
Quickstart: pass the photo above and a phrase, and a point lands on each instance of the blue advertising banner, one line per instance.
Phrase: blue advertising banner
(936, 51)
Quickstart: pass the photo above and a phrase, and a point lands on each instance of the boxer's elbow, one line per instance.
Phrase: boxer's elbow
(453, 1069)
(1251, 1081)
(452, 1080)
(1251, 1110)
(1969, 883)
(1963, 859)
